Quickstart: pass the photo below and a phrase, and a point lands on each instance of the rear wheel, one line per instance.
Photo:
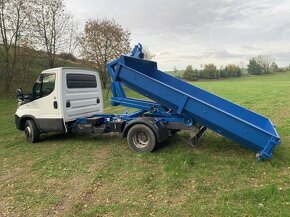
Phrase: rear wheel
(31, 131)
(141, 138)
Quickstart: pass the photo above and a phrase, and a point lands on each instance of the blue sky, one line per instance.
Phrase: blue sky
(187, 32)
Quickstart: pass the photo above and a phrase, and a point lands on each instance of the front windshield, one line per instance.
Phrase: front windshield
(37, 88)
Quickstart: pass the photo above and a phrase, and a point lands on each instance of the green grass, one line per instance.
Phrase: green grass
(98, 175)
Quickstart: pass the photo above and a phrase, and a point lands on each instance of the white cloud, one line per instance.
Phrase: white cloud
(196, 32)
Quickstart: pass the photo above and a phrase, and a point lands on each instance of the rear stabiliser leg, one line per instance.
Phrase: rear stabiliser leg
(267, 150)
(197, 135)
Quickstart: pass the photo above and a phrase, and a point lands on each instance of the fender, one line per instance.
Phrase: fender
(43, 124)
(20, 121)
(155, 124)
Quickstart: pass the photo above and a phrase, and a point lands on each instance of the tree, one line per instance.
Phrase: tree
(104, 40)
(195, 75)
(254, 68)
(234, 70)
(224, 73)
(67, 56)
(209, 71)
(239, 72)
(274, 67)
(175, 71)
(259, 65)
(72, 37)
(230, 70)
(264, 62)
(147, 54)
(12, 21)
(190, 74)
(50, 27)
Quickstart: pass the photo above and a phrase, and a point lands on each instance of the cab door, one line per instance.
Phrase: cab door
(45, 104)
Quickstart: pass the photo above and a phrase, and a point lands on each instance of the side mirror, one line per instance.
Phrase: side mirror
(19, 94)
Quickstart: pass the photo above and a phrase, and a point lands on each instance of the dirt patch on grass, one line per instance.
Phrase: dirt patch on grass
(9, 180)
(78, 186)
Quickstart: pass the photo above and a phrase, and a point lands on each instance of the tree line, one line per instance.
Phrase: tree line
(210, 71)
(47, 26)
(257, 66)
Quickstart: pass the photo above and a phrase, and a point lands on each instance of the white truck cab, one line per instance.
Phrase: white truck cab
(59, 96)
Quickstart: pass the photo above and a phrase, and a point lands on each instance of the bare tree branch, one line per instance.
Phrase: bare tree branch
(12, 22)
(103, 41)
(50, 27)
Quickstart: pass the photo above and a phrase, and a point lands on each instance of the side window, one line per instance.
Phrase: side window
(44, 85)
(81, 81)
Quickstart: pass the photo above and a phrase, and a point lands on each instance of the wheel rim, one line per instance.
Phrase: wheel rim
(141, 140)
(28, 132)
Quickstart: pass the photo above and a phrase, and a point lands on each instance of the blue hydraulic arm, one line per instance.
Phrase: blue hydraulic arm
(119, 97)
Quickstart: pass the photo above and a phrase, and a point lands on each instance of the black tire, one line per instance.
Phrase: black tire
(31, 131)
(141, 138)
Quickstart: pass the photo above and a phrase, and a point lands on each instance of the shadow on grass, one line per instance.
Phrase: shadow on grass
(108, 138)
(211, 144)
(55, 136)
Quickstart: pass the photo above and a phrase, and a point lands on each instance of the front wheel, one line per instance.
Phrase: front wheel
(31, 131)
(141, 138)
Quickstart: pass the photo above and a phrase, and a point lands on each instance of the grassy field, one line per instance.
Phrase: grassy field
(92, 175)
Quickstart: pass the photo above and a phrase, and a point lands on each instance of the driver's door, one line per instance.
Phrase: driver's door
(45, 104)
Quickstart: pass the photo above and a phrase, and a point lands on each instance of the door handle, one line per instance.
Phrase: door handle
(67, 104)
(55, 104)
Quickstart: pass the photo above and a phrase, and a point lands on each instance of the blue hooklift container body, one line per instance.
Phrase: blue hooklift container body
(239, 124)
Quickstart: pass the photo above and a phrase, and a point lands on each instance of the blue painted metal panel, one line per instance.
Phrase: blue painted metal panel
(222, 116)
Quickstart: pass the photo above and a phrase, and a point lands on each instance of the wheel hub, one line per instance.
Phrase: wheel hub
(28, 132)
(141, 140)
